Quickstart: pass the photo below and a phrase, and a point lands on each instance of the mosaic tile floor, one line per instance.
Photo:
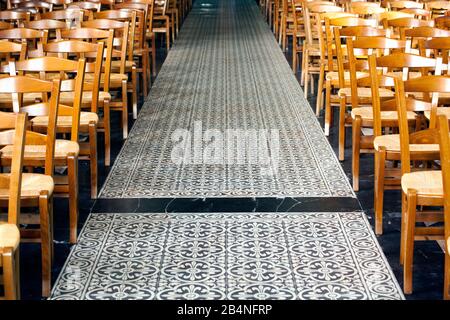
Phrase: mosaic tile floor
(315, 255)
(226, 71)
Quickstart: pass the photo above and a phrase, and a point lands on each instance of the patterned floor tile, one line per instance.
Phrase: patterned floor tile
(227, 71)
(314, 255)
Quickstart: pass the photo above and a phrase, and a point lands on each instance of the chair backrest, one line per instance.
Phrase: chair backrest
(33, 38)
(7, 48)
(423, 14)
(342, 51)
(439, 47)
(22, 85)
(52, 27)
(340, 22)
(393, 62)
(442, 22)
(16, 18)
(397, 5)
(124, 16)
(121, 49)
(50, 65)
(72, 17)
(94, 36)
(366, 9)
(398, 26)
(361, 47)
(444, 148)
(13, 128)
(39, 6)
(434, 85)
(93, 54)
(437, 7)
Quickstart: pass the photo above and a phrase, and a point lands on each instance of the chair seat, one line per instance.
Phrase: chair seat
(63, 148)
(365, 93)
(399, 74)
(391, 142)
(67, 97)
(66, 121)
(333, 76)
(426, 183)
(115, 78)
(366, 113)
(440, 111)
(9, 235)
(115, 65)
(28, 98)
(32, 185)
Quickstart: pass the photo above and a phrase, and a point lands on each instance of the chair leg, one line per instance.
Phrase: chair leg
(306, 75)
(294, 58)
(45, 243)
(107, 131)
(380, 159)
(356, 137)
(134, 91)
(409, 241)
(403, 229)
(302, 71)
(93, 158)
(9, 274)
(342, 109)
(327, 107)
(153, 56)
(72, 172)
(145, 78)
(447, 275)
(320, 89)
(124, 110)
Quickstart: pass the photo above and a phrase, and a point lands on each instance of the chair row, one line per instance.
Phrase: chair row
(385, 71)
(67, 72)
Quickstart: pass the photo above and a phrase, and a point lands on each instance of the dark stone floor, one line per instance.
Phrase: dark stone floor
(428, 264)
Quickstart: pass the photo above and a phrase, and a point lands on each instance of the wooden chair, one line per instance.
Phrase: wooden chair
(397, 5)
(145, 41)
(118, 76)
(51, 27)
(328, 64)
(92, 99)
(34, 38)
(10, 51)
(312, 58)
(72, 17)
(419, 188)
(387, 146)
(437, 8)
(38, 6)
(59, 4)
(161, 20)
(11, 187)
(361, 97)
(354, 26)
(444, 145)
(128, 16)
(398, 26)
(390, 15)
(366, 10)
(68, 122)
(423, 14)
(15, 18)
(414, 35)
(37, 189)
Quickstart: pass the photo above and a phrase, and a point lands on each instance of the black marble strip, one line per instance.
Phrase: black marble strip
(288, 204)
